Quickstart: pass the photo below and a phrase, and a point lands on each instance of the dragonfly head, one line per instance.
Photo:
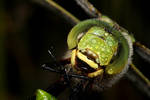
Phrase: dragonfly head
(94, 50)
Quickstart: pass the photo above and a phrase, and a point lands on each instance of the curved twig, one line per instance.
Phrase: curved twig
(50, 4)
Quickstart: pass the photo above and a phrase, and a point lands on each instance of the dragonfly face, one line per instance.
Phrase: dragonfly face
(96, 49)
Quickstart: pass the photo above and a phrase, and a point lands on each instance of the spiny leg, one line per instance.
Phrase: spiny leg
(63, 72)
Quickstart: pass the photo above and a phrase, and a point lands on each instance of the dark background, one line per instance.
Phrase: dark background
(28, 30)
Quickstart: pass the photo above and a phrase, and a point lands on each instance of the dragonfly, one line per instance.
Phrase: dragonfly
(100, 53)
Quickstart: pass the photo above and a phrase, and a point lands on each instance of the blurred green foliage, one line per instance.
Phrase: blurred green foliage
(42, 95)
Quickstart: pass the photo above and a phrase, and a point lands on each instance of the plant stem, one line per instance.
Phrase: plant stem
(59, 10)
(143, 51)
(89, 8)
(138, 79)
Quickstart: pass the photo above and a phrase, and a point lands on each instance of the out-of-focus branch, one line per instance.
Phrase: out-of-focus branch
(89, 8)
(138, 79)
(50, 4)
(142, 50)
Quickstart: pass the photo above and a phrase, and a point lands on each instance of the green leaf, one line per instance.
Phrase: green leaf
(42, 95)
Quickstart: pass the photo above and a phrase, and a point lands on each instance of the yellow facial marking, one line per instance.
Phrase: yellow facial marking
(88, 61)
(73, 57)
(96, 73)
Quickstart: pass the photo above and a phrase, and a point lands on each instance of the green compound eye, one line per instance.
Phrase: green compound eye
(100, 42)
